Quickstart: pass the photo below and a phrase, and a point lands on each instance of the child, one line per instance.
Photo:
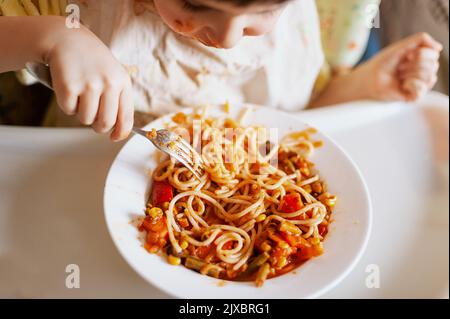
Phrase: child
(189, 52)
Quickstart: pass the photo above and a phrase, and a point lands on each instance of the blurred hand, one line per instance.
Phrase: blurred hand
(90, 83)
(404, 71)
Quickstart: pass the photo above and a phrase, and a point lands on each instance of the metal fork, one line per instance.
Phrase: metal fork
(166, 141)
(175, 146)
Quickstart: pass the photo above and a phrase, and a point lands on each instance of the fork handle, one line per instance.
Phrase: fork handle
(41, 72)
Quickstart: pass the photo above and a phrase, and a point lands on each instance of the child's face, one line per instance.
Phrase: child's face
(218, 23)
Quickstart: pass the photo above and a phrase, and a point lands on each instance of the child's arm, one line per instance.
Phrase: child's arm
(87, 79)
(404, 71)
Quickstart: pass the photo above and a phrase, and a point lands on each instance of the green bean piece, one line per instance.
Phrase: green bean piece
(256, 263)
(262, 274)
(198, 265)
(194, 263)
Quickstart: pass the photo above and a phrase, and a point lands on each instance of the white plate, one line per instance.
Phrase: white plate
(126, 193)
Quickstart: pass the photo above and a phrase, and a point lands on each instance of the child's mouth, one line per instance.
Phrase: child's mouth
(206, 42)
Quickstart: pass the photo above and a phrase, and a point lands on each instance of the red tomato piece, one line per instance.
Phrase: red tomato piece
(323, 230)
(292, 240)
(203, 251)
(162, 192)
(291, 203)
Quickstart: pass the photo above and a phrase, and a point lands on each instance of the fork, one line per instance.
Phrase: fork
(166, 141)
(176, 147)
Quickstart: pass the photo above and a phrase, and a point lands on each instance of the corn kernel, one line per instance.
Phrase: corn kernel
(266, 247)
(175, 261)
(184, 244)
(282, 262)
(165, 205)
(331, 201)
(261, 218)
(290, 228)
(154, 212)
(315, 241)
(283, 245)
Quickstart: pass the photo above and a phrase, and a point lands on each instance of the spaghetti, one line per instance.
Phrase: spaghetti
(259, 210)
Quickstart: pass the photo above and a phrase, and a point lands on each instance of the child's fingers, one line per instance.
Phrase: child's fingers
(422, 40)
(88, 106)
(424, 66)
(415, 89)
(427, 65)
(125, 116)
(428, 54)
(107, 112)
(405, 48)
(67, 91)
(422, 54)
(424, 72)
(67, 101)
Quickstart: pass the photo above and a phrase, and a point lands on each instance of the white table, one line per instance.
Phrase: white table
(51, 190)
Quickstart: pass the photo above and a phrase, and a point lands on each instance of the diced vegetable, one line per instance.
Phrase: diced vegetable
(323, 229)
(291, 203)
(154, 212)
(157, 234)
(306, 253)
(174, 261)
(261, 218)
(295, 240)
(161, 192)
(256, 263)
(262, 274)
(202, 267)
(194, 263)
(203, 251)
(290, 228)
(184, 244)
(317, 187)
(328, 199)
(265, 246)
(283, 245)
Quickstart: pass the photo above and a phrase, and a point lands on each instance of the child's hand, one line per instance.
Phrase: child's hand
(91, 83)
(404, 71)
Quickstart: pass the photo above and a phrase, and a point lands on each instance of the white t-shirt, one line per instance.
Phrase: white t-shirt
(170, 71)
